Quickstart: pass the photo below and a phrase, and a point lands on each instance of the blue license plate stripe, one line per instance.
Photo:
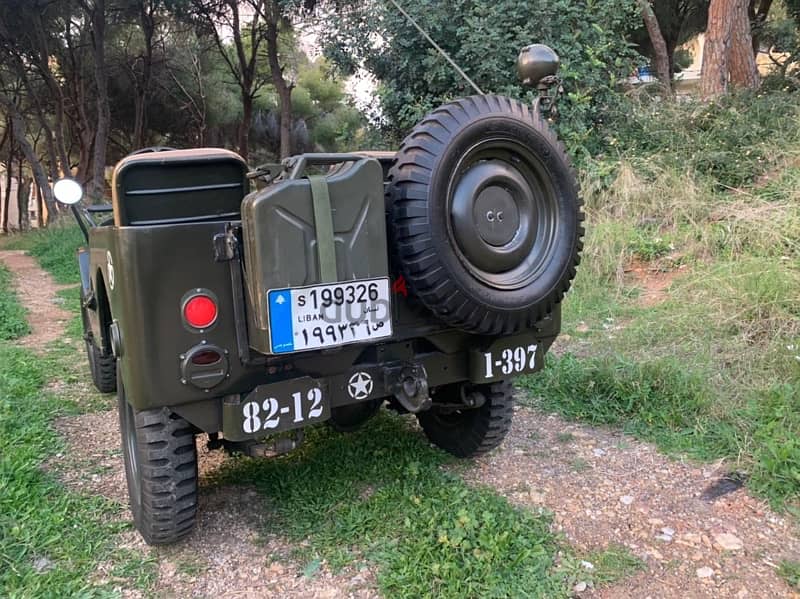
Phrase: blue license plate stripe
(280, 321)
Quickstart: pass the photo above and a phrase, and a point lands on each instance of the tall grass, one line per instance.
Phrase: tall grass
(710, 193)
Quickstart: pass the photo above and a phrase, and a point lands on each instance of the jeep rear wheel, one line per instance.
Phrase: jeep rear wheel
(160, 457)
(486, 217)
(469, 432)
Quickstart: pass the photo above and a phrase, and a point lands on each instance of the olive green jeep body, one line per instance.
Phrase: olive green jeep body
(244, 304)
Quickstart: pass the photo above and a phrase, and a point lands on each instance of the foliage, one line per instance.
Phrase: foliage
(485, 38)
(731, 141)
(688, 344)
(790, 572)
(12, 315)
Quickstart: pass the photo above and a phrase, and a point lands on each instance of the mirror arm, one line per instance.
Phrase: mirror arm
(81, 219)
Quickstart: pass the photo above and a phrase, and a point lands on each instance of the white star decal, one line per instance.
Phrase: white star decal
(360, 385)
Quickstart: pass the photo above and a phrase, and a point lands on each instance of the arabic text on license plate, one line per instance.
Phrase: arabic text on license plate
(321, 316)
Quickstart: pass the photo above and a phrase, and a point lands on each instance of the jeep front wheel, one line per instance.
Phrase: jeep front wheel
(102, 365)
(469, 432)
(160, 457)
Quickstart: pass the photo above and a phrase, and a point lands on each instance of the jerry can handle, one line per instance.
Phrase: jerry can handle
(298, 164)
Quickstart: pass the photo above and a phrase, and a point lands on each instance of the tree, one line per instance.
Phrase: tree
(484, 38)
(660, 51)
(678, 20)
(96, 16)
(219, 17)
(727, 56)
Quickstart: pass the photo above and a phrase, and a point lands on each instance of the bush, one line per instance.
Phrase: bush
(731, 141)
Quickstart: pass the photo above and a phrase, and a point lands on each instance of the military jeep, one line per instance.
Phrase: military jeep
(248, 305)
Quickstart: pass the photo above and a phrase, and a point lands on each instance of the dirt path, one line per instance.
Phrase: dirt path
(605, 489)
(38, 295)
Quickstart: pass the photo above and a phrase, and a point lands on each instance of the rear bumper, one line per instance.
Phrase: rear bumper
(292, 403)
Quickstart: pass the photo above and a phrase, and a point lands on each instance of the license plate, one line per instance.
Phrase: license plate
(282, 407)
(321, 316)
(506, 361)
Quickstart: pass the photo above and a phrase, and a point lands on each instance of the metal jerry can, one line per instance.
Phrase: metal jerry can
(311, 230)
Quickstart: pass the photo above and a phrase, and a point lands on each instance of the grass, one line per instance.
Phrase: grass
(53, 247)
(790, 572)
(383, 496)
(12, 315)
(711, 369)
(51, 539)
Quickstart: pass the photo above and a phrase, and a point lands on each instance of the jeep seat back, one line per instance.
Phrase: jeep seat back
(179, 186)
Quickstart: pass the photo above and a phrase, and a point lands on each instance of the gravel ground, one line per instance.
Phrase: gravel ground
(46, 318)
(605, 488)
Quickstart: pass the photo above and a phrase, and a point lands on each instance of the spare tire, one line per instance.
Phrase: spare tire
(485, 215)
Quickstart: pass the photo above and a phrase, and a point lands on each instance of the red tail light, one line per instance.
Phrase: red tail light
(200, 311)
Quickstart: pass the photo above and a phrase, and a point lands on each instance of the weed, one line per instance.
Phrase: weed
(790, 572)
(579, 465)
(647, 246)
(601, 567)
(12, 315)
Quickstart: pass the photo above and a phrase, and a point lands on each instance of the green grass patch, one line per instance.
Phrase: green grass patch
(54, 248)
(12, 315)
(51, 539)
(383, 495)
(790, 572)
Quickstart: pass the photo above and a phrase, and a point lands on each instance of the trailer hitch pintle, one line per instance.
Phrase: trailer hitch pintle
(409, 384)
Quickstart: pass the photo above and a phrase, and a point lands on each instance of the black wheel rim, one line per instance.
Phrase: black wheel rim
(502, 213)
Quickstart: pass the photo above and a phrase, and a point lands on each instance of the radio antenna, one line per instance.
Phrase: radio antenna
(438, 48)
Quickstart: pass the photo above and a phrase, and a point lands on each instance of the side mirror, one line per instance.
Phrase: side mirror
(68, 191)
(535, 62)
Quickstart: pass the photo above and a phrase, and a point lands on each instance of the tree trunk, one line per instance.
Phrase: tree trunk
(98, 20)
(23, 199)
(7, 194)
(662, 57)
(42, 222)
(744, 70)
(147, 21)
(758, 13)
(244, 126)
(716, 52)
(284, 89)
(18, 129)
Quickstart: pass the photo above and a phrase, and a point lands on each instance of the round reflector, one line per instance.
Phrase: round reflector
(200, 311)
